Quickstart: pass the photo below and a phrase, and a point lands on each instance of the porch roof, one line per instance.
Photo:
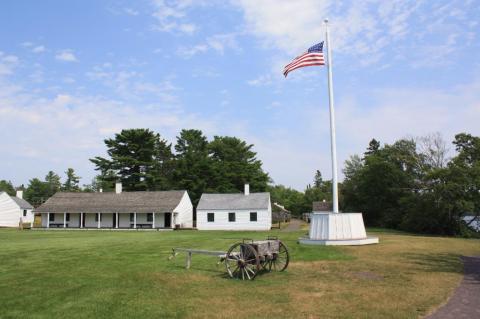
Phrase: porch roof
(125, 202)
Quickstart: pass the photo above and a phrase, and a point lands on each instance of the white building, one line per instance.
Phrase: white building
(14, 209)
(247, 211)
(475, 224)
(118, 210)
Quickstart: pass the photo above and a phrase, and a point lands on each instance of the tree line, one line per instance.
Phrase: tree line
(409, 185)
(143, 161)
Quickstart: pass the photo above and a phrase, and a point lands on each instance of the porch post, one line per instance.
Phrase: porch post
(153, 224)
(81, 220)
(64, 220)
(98, 224)
(48, 220)
(116, 220)
(135, 220)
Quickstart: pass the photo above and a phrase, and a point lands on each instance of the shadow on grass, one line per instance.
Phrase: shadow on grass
(434, 262)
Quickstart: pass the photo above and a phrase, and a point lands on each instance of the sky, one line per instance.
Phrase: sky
(73, 73)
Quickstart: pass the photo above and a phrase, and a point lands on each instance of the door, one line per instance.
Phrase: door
(168, 220)
(114, 220)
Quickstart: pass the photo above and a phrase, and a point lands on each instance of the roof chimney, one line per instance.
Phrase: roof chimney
(100, 190)
(118, 187)
(20, 194)
(247, 189)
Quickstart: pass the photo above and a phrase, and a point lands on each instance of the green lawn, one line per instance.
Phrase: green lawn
(103, 274)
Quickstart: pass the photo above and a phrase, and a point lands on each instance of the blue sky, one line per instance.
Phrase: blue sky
(73, 73)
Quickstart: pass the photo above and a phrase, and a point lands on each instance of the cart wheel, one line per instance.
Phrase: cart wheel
(278, 262)
(242, 261)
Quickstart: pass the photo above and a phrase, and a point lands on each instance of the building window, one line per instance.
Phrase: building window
(253, 216)
(210, 217)
(24, 213)
(231, 217)
(51, 218)
(132, 217)
(67, 217)
(149, 217)
(96, 217)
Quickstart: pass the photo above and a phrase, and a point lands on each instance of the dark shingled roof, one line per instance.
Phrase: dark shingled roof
(321, 206)
(234, 201)
(21, 202)
(125, 202)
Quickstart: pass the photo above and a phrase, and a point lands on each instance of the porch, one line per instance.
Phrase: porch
(152, 221)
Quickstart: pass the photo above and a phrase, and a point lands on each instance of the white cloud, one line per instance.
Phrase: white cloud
(262, 80)
(7, 64)
(130, 85)
(66, 55)
(68, 129)
(131, 11)
(358, 28)
(217, 42)
(38, 49)
(171, 16)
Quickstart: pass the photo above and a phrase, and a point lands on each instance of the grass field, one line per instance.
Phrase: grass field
(103, 274)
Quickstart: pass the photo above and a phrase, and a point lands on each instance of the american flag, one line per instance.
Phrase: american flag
(313, 56)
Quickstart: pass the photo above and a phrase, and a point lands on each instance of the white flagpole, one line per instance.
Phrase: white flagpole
(332, 122)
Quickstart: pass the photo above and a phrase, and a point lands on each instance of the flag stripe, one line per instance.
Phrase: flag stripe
(306, 54)
(301, 66)
(313, 56)
(307, 58)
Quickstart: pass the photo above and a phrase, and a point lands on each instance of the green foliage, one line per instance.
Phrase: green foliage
(398, 186)
(141, 160)
(292, 199)
(7, 187)
(301, 202)
(37, 192)
(53, 183)
(138, 158)
(71, 183)
(193, 169)
(234, 164)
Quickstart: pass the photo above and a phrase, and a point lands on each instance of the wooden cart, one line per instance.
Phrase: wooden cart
(244, 260)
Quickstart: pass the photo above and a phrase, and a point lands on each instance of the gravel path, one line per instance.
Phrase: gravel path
(294, 225)
(465, 302)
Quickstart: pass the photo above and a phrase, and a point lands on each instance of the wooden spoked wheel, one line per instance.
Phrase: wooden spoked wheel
(278, 261)
(242, 262)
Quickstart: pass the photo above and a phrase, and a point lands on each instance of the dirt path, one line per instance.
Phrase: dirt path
(465, 302)
(294, 225)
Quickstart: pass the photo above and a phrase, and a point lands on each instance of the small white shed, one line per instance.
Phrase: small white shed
(14, 209)
(247, 211)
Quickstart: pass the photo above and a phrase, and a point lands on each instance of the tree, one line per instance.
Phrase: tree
(37, 192)
(376, 185)
(317, 181)
(292, 199)
(72, 181)
(234, 164)
(7, 187)
(192, 165)
(434, 150)
(373, 147)
(53, 183)
(137, 159)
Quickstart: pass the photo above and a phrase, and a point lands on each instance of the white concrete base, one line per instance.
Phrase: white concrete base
(337, 229)
(346, 242)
